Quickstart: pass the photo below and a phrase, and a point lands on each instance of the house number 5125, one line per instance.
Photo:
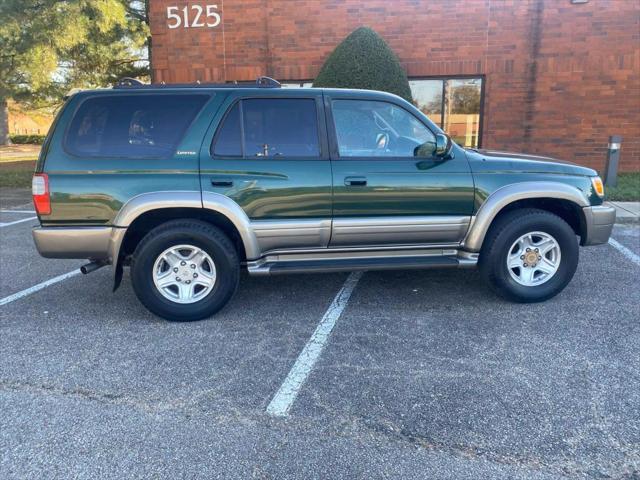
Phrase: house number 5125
(193, 17)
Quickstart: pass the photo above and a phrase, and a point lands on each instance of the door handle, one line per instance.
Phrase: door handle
(355, 181)
(221, 183)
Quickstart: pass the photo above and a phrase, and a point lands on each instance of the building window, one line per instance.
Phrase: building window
(296, 84)
(454, 104)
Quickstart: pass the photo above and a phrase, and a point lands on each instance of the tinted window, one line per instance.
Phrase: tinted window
(229, 137)
(379, 129)
(280, 128)
(132, 125)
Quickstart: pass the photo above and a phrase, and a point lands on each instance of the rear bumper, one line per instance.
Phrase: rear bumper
(599, 223)
(95, 243)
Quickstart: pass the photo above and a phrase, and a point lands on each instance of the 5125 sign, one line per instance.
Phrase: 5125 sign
(193, 17)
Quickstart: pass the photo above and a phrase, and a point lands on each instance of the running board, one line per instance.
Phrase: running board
(316, 265)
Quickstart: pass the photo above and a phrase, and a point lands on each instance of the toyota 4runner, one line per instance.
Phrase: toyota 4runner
(188, 184)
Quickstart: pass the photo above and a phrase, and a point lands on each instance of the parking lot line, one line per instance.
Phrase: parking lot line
(17, 221)
(625, 251)
(288, 391)
(17, 211)
(38, 287)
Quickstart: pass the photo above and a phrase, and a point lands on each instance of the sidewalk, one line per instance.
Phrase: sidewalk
(626, 212)
(19, 153)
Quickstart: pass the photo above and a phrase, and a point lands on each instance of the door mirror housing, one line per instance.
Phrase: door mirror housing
(441, 148)
(443, 145)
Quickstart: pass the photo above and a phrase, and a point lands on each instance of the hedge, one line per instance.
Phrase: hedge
(27, 139)
(364, 60)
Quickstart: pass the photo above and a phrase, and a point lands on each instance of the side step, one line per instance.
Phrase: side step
(353, 264)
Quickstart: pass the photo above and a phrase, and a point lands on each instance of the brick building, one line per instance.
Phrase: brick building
(552, 77)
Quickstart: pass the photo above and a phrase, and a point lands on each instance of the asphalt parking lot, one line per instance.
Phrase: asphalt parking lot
(426, 374)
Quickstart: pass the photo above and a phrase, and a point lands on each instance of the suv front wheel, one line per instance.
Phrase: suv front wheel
(529, 255)
(185, 270)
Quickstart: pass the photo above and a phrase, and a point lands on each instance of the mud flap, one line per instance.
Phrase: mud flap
(117, 275)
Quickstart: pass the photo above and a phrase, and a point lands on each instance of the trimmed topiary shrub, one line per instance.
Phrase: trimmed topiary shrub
(27, 139)
(364, 60)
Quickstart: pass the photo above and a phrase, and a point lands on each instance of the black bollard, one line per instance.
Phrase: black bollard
(613, 157)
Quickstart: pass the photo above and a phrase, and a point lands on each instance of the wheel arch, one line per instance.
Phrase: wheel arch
(146, 211)
(561, 199)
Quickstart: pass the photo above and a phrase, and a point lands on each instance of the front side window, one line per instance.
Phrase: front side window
(131, 125)
(379, 129)
(283, 128)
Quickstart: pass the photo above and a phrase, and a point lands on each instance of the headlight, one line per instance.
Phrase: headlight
(598, 187)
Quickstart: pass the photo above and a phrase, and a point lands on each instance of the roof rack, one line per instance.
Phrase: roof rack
(132, 83)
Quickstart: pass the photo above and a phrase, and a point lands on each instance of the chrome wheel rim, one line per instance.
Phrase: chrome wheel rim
(184, 274)
(534, 259)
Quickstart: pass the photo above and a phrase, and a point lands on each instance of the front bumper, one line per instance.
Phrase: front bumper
(95, 243)
(599, 223)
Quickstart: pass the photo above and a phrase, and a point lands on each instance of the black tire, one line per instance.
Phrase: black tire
(502, 235)
(192, 232)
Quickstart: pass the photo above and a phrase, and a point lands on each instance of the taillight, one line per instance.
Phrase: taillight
(40, 192)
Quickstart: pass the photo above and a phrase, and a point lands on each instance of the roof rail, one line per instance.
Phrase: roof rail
(132, 83)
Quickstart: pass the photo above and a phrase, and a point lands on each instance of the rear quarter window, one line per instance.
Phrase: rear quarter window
(131, 125)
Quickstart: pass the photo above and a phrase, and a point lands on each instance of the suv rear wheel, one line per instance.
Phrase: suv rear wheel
(529, 255)
(185, 270)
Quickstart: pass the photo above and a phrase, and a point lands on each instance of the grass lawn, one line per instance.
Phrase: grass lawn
(16, 174)
(17, 163)
(628, 189)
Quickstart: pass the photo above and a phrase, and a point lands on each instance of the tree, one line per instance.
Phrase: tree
(48, 47)
(466, 99)
(364, 60)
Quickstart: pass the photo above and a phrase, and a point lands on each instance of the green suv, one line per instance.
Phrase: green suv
(188, 184)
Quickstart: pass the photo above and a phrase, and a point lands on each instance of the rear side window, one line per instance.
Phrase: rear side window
(131, 125)
(284, 128)
(229, 141)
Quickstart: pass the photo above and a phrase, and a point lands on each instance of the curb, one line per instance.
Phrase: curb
(625, 212)
(628, 221)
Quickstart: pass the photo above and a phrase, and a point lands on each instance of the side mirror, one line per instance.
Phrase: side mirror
(443, 145)
(440, 148)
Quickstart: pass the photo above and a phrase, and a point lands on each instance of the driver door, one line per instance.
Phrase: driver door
(387, 186)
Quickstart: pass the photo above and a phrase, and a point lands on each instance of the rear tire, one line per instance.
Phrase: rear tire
(529, 255)
(185, 270)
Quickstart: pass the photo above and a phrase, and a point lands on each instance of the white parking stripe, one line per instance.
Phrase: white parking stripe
(625, 251)
(38, 287)
(17, 211)
(17, 221)
(288, 391)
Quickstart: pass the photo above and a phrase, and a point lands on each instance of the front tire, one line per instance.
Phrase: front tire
(529, 255)
(185, 270)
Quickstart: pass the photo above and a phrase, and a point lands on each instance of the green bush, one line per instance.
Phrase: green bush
(627, 190)
(364, 60)
(27, 139)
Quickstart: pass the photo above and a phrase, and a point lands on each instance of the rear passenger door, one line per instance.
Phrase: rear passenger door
(270, 155)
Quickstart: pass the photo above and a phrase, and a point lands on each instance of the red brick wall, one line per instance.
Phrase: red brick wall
(559, 78)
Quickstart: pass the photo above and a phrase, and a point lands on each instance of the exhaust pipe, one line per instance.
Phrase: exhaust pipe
(92, 266)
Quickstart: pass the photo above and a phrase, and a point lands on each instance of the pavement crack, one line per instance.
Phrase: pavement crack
(563, 467)
(82, 393)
